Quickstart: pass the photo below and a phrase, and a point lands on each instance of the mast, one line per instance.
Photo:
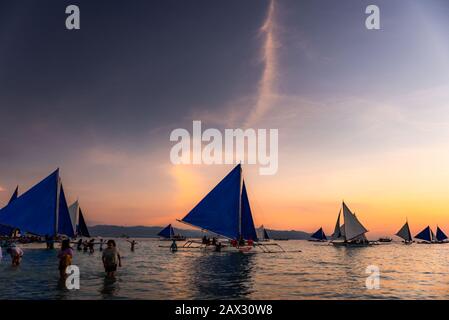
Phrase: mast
(240, 202)
(58, 190)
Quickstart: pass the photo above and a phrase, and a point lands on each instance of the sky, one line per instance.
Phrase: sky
(363, 115)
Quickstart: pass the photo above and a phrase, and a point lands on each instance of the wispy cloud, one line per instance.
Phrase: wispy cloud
(2, 189)
(266, 91)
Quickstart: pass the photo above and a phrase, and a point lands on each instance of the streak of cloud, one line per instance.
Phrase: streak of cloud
(266, 91)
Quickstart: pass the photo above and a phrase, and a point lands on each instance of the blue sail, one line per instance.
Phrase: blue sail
(218, 212)
(425, 235)
(14, 195)
(64, 222)
(35, 210)
(319, 235)
(441, 236)
(248, 229)
(81, 228)
(167, 232)
(6, 230)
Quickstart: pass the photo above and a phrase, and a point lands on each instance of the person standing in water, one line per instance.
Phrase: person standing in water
(65, 256)
(91, 245)
(174, 246)
(133, 244)
(16, 254)
(111, 258)
(101, 244)
(79, 245)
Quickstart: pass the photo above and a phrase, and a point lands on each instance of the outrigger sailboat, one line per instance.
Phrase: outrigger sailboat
(405, 234)
(262, 234)
(351, 233)
(168, 234)
(226, 212)
(426, 236)
(441, 237)
(318, 236)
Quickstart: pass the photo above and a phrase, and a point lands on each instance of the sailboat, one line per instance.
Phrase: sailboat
(426, 236)
(441, 236)
(8, 231)
(262, 234)
(405, 234)
(319, 236)
(168, 234)
(226, 212)
(41, 211)
(351, 233)
(78, 222)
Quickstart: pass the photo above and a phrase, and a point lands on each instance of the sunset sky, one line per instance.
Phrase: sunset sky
(363, 116)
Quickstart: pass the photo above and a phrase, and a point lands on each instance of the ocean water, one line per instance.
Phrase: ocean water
(320, 271)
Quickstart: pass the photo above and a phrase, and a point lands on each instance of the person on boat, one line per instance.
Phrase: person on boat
(174, 246)
(133, 244)
(111, 258)
(218, 247)
(214, 241)
(79, 245)
(65, 256)
(234, 243)
(241, 241)
(204, 240)
(85, 245)
(50, 242)
(250, 242)
(16, 254)
(91, 245)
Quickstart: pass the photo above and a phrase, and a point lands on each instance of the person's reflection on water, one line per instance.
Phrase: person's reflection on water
(110, 287)
(225, 275)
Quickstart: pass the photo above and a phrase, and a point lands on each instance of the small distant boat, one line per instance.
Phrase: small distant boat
(78, 223)
(262, 234)
(441, 236)
(168, 234)
(426, 236)
(405, 234)
(318, 236)
(385, 239)
(351, 233)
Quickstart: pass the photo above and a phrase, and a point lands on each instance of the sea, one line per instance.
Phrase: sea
(319, 271)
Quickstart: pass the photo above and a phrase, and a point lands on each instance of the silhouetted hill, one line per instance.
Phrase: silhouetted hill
(151, 232)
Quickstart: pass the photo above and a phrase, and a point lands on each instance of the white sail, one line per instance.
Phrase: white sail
(353, 228)
(404, 233)
(74, 210)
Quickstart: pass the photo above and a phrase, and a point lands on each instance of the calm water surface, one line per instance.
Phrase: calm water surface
(320, 271)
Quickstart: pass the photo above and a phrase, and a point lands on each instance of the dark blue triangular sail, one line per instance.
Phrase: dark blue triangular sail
(167, 232)
(82, 229)
(441, 236)
(319, 235)
(218, 212)
(35, 210)
(64, 222)
(425, 235)
(248, 229)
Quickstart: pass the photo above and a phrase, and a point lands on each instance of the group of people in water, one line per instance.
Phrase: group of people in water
(111, 257)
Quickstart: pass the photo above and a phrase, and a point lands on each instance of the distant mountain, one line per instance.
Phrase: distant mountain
(151, 232)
